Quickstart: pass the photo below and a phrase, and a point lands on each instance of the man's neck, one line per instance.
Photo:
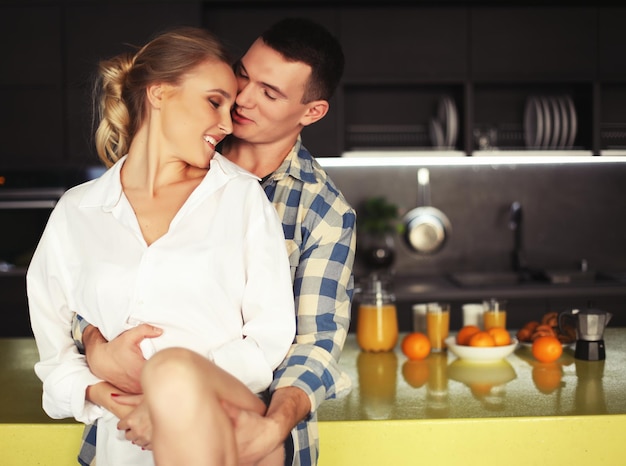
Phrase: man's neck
(259, 159)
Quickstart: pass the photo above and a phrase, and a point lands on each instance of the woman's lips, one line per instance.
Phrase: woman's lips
(211, 141)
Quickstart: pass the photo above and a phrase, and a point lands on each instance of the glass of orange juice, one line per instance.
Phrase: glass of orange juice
(377, 320)
(437, 325)
(494, 313)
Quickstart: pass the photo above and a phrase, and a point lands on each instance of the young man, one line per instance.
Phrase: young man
(285, 79)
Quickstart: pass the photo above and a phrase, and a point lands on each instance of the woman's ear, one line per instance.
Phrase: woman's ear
(316, 110)
(154, 93)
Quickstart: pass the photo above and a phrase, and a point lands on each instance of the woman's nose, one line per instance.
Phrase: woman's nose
(226, 126)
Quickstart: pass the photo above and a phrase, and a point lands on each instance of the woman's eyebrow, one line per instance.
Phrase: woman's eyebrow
(219, 91)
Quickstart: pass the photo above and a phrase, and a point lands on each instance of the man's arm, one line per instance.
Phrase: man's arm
(310, 373)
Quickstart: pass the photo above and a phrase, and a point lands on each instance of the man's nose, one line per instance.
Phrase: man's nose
(244, 95)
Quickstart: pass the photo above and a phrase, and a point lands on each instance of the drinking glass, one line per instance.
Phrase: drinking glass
(437, 325)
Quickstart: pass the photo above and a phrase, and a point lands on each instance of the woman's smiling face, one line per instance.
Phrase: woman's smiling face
(195, 114)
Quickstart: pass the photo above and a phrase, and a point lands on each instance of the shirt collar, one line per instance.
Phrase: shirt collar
(106, 190)
(298, 164)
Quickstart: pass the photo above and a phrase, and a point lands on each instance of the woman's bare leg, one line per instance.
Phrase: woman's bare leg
(183, 391)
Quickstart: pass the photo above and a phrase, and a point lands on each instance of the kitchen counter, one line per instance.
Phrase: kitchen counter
(389, 386)
(437, 411)
(446, 411)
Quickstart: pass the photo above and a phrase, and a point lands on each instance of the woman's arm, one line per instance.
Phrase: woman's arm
(62, 369)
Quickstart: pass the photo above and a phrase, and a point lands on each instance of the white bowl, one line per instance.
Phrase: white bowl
(480, 353)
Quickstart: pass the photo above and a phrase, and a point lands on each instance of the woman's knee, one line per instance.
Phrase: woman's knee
(172, 368)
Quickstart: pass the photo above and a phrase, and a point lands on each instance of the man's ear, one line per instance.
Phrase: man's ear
(316, 110)
(154, 93)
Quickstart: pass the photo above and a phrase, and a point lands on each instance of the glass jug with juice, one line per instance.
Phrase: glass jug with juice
(377, 320)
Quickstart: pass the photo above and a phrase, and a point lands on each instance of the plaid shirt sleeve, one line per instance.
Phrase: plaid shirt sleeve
(87, 453)
(319, 228)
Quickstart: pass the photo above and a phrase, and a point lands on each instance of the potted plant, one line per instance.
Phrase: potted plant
(377, 225)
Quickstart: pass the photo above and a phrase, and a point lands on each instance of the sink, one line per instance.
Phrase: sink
(511, 278)
(479, 279)
(491, 279)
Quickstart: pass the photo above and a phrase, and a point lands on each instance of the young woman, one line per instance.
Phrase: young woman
(172, 234)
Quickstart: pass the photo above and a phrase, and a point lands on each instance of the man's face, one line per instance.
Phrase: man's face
(268, 106)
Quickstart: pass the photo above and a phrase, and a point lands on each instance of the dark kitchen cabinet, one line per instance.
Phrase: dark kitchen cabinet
(404, 44)
(402, 59)
(533, 44)
(31, 85)
(489, 60)
(400, 63)
(524, 53)
(612, 80)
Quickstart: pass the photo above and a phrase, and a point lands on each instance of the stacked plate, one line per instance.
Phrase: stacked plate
(444, 126)
(550, 122)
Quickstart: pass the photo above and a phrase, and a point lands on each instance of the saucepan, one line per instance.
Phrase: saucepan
(427, 228)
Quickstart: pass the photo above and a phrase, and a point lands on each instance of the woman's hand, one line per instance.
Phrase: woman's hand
(106, 395)
(137, 423)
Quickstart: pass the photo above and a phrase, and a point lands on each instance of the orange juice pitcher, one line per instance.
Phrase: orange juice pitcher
(377, 320)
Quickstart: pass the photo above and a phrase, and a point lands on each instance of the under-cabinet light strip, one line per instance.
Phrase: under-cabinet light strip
(416, 160)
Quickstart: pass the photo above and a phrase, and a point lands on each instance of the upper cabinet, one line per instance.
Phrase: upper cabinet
(31, 85)
(533, 44)
(404, 44)
(612, 80)
(612, 44)
(448, 77)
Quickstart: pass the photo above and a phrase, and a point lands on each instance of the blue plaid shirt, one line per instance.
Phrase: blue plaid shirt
(320, 233)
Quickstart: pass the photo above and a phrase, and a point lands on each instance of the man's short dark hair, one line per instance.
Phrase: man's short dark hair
(303, 40)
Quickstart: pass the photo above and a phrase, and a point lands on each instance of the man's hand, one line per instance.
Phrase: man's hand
(257, 436)
(120, 360)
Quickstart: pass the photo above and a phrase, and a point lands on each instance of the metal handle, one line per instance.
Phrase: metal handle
(423, 187)
(28, 204)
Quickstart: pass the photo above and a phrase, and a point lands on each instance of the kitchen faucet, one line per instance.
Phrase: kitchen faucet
(515, 224)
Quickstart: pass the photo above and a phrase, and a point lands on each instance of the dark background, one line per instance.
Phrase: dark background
(402, 57)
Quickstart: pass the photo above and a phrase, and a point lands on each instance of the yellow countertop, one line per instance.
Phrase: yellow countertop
(438, 412)
(444, 411)
(388, 386)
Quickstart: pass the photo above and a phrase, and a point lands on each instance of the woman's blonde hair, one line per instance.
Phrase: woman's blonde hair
(120, 91)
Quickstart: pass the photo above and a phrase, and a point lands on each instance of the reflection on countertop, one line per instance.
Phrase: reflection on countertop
(389, 386)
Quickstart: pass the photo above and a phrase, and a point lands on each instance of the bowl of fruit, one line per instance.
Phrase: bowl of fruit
(476, 345)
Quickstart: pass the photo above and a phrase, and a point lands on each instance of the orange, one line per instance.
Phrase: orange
(464, 335)
(416, 346)
(547, 377)
(547, 348)
(415, 372)
(480, 390)
(482, 338)
(500, 336)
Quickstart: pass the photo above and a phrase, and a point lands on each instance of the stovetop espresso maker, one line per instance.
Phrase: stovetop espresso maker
(590, 325)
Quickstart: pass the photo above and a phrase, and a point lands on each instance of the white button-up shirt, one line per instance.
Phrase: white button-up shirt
(217, 282)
